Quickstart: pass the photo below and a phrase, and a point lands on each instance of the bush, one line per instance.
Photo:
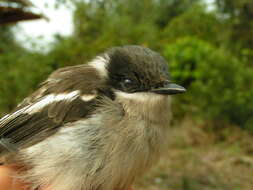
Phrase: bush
(21, 72)
(218, 83)
(197, 22)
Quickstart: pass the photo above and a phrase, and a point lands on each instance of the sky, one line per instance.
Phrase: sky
(59, 22)
(42, 30)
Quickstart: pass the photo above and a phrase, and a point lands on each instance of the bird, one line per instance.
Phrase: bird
(93, 126)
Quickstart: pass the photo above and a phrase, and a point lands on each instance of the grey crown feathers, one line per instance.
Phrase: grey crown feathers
(95, 126)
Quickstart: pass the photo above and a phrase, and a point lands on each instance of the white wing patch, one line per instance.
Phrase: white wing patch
(3, 118)
(45, 101)
(88, 97)
(10, 116)
(50, 99)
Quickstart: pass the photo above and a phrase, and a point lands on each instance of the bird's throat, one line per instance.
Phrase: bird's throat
(145, 105)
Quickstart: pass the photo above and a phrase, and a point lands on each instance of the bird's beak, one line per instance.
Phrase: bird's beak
(169, 89)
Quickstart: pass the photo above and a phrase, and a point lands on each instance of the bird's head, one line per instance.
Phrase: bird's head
(132, 69)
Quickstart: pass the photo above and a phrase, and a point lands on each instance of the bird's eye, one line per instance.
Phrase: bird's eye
(127, 81)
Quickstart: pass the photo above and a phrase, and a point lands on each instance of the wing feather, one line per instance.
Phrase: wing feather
(50, 107)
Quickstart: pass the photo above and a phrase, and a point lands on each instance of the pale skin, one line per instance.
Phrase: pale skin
(8, 183)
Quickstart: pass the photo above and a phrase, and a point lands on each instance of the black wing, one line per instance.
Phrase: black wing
(68, 95)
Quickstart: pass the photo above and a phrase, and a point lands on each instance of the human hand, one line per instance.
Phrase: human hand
(6, 180)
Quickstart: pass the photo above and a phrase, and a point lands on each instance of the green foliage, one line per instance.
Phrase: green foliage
(217, 82)
(20, 74)
(112, 23)
(170, 9)
(7, 42)
(197, 22)
(20, 70)
(238, 14)
(102, 24)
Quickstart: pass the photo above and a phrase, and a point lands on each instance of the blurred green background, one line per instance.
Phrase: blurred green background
(209, 48)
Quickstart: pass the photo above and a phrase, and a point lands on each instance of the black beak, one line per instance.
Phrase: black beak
(169, 89)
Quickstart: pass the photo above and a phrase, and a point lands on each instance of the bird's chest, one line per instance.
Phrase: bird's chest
(138, 133)
(114, 146)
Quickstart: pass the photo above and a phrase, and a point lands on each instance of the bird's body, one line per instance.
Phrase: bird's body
(92, 127)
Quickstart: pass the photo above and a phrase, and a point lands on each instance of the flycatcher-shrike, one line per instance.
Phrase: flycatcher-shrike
(95, 126)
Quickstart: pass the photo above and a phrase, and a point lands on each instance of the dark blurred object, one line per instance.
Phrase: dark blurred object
(12, 11)
(21, 2)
